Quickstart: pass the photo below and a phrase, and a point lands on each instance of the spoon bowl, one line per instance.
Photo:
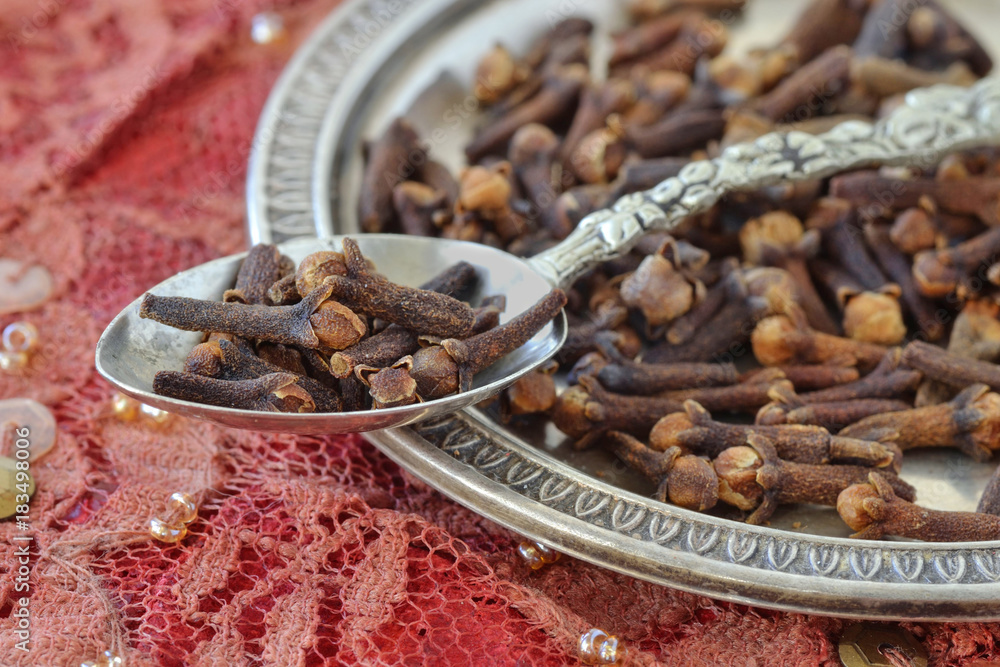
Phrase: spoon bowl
(132, 349)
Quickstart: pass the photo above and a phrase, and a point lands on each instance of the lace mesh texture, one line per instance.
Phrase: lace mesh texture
(124, 133)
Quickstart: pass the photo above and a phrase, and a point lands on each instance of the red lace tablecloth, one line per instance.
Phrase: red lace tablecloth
(125, 129)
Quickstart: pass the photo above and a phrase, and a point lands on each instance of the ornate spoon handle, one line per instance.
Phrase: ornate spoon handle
(932, 123)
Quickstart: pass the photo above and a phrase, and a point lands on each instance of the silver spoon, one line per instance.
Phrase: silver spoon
(933, 122)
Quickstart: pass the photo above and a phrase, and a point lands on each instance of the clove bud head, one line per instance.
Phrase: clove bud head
(858, 505)
(316, 267)
(435, 371)
(776, 230)
(665, 431)
(874, 318)
(736, 468)
(659, 290)
(336, 326)
(693, 484)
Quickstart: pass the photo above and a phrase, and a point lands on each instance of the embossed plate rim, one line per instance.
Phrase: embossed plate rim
(283, 189)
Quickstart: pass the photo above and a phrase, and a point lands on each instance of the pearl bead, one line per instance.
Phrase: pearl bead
(18, 413)
(536, 554)
(12, 361)
(599, 648)
(548, 555)
(107, 659)
(20, 337)
(12, 483)
(166, 533)
(157, 415)
(23, 288)
(183, 507)
(267, 28)
(125, 407)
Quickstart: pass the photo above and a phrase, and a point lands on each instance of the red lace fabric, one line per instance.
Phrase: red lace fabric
(125, 128)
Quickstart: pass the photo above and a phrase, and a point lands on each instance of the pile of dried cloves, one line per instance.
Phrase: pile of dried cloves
(832, 286)
(333, 335)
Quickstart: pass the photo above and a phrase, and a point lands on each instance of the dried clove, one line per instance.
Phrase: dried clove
(225, 360)
(301, 324)
(870, 316)
(949, 368)
(556, 98)
(938, 272)
(261, 268)
(496, 75)
(887, 380)
(975, 335)
(316, 267)
(416, 205)
(726, 333)
(808, 377)
(659, 288)
(780, 339)
(597, 103)
(684, 327)
(284, 357)
(391, 160)
(699, 37)
(874, 195)
(783, 482)
(275, 392)
(833, 415)
(808, 89)
(422, 310)
(843, 240)
(585, 412)
(874, 510)
(637, 378)
(881, 77)
(533, 156)
(448, 367)
(898, 268)
(647, 37)
(679, 132)
(939, 40)
(390, 344)
(395, 342)
(694, 430)
(875, 39)
(970, 422)
(687, 481)
(822, 25)
(533, 394)
(777, 239)
(583, 338)
(390, 387)
(284, 292)
(745, 397)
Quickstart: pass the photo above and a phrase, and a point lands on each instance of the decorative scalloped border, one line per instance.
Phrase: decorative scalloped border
(717, 540)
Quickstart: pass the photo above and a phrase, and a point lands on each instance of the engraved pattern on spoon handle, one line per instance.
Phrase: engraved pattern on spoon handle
(933, 122)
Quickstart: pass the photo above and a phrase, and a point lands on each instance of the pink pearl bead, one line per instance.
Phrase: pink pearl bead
(23, 413)
(23, 287)
(20, 337)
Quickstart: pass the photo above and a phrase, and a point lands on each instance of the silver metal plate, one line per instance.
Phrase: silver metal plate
(371, 61)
